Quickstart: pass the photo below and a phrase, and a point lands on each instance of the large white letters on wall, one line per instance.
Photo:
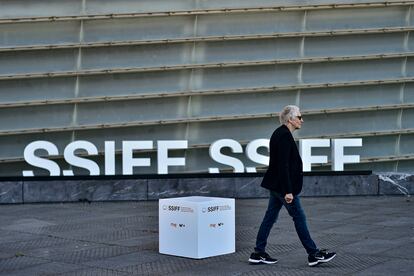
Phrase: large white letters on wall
(129, 161)
(305, 148)
(338, 157)
(162, 153)
(74, 160)
(217, 156)
(32, 159)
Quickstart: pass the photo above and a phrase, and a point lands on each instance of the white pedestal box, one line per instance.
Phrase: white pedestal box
(196, 226)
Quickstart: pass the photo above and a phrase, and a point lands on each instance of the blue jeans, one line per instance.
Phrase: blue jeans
(276, 201)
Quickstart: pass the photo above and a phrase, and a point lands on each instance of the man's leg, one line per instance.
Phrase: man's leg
(269, 219)
(315, 256)
(296, 212)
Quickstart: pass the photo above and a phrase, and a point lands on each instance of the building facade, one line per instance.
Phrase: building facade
(201, 71)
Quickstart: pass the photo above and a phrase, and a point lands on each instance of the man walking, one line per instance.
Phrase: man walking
(283, 179)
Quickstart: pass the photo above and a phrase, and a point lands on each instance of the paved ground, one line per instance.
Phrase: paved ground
(372, 236)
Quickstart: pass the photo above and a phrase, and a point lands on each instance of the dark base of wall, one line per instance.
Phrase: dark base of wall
(234, 187)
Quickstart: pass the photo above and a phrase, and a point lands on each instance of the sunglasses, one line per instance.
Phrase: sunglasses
(299, 117)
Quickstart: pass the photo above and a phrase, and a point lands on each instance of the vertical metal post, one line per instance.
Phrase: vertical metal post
(301, 54)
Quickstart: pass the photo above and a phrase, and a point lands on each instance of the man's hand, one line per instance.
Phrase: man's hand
(289, 198)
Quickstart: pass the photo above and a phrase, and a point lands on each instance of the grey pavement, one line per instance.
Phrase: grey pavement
(372, 236)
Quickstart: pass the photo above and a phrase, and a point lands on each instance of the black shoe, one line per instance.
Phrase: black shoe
(257, 258)
(322, 256)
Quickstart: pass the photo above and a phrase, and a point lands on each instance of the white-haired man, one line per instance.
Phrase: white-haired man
(284, 178)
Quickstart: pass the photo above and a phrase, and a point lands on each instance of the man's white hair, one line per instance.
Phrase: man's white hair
(288, 112)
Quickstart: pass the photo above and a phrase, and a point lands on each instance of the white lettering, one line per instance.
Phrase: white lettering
(217, 156)
(32, 159)
(252, 154)
(77, 161)
(109, 157)
(162, 155)
(305, 149)
(338, 157)
(164, 161)
(128, 160)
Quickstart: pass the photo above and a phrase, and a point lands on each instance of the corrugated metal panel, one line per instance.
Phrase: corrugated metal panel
(206, 70)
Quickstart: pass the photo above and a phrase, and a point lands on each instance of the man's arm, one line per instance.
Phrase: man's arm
(284, 150)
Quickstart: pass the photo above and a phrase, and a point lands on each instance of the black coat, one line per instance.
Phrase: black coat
(285, 173)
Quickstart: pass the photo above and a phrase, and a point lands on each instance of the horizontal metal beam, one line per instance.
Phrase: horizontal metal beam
(365, 160)
(361, 134)
(199, 119)
(339, 32)
(250, 90)
(204, 66)
(205, 11)
(377, 159)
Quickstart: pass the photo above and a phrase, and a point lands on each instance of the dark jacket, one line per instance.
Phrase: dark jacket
(285, 173)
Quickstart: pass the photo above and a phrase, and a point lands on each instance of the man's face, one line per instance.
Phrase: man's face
(297, 121)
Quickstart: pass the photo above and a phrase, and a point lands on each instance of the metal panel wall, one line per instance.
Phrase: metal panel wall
(205, 70)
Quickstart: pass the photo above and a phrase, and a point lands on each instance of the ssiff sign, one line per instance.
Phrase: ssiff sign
(164, 161)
